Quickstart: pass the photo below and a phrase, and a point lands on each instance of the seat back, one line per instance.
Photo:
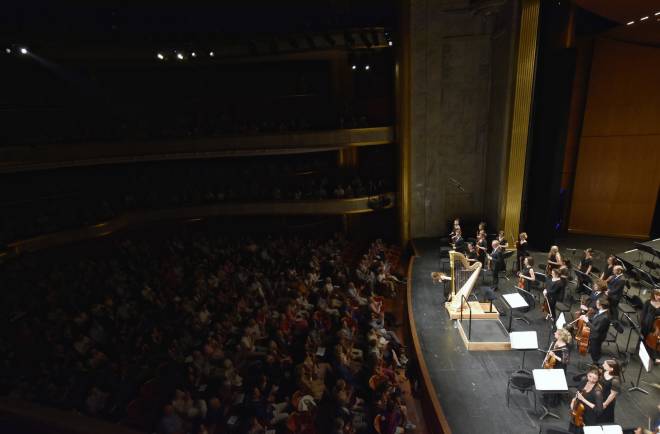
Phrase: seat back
(521, 380)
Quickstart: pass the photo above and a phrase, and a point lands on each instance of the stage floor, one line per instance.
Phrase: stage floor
(471, 386)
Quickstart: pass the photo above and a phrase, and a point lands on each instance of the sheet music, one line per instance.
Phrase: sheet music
(645, 358)
(561, 321)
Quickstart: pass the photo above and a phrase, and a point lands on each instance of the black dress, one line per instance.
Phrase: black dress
(607, 416)
(595, 396)
(555, 289)
(521, 253)
(482, 252)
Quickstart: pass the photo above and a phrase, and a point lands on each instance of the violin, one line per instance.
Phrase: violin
(652, 340)
(549, 362)
(577, 412)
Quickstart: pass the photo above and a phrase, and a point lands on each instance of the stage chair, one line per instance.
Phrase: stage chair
(522, 381)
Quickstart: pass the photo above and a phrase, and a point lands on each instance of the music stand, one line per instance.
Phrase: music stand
(583, 277)
(644, 363)
(515, 301)
(633, 326)
(527, 296)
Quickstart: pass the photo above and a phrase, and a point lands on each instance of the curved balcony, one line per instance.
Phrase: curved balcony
(337, 207)
(21, 158)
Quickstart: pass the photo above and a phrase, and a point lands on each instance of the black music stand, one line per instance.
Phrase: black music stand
(634, 327)
(583, 277)
(528, 296)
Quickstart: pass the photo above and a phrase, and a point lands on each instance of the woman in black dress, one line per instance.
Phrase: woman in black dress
(560, 350)
(554, 260)
(608, 273)
(527, 273)
(482, 247)
(586, 264)
(554, 289)
(650, 312)
(589, 394)
(611, 389)
(521, 250)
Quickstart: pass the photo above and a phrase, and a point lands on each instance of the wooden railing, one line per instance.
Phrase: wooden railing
(359, 205)
(434, 416)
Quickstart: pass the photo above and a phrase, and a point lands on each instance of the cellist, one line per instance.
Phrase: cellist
(598, 325)
(651, 313)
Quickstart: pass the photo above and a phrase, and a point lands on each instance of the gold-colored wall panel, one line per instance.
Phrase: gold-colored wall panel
(525, 70)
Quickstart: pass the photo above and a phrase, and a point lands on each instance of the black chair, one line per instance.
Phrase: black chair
(522, 381)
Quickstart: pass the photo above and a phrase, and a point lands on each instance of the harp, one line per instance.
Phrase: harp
(464, 277)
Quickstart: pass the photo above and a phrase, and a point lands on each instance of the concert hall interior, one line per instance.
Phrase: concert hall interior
(330, 217)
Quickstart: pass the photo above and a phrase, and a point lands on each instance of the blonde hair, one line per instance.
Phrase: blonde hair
(564, 335)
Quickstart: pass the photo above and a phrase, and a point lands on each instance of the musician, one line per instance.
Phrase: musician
(471, 253)
(553, 290)
(611, 384)
(650, 312)
(497, 259)
(502, 240)
(560, 350)
(459, 241)
(554, 259)
(481, 228)
(608, 273)
(598, 325)
(521, 249)
(482, 247)
(586, 264)
(598, 290)
(615, 290)
(527, 273)
(590, 394)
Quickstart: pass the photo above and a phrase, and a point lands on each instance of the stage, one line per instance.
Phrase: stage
(471, 385)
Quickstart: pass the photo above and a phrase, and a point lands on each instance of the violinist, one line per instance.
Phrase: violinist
(482, 247)
(459, 242)
(557, 358)
(471, 253)
(560, 350)
(554, 260)
(611, 388)
(554, 289)
(527, 273)
(521, 250)
(587, 404)
(598, 325)
(651, 333)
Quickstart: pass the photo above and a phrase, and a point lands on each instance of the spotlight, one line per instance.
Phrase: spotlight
(8, 50)
(366, 67)
(160, 56)
(629, 23)
(211, 54)
(23, 50)
(656, 14)
(353, 67)
(179, 56)
(193, 54)
(644, 18)
(389, 43)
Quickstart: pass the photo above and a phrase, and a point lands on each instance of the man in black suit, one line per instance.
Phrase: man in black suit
(615, 290)
(459, 242)
(599, 324)
(497, 261)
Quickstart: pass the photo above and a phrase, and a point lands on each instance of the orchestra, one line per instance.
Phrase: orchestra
(595, 400)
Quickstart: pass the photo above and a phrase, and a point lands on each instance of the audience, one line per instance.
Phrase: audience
(205, 334)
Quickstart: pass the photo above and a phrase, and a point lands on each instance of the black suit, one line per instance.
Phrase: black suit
(497, 259)
(614, 293)
(460, 245)
(598, 326)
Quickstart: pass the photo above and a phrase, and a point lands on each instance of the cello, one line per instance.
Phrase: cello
(652, 340)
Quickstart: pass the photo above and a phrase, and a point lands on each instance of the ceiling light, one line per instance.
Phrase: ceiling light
(644, 18)
(193, 54)
(353, 67)
(629, 23)
(211, 53)
(656, 14)
(366, 67)
(160, 56)
(179, 56)
(23, 50)
(8, 50)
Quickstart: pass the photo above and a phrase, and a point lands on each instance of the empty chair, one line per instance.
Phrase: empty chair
(522, 381)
